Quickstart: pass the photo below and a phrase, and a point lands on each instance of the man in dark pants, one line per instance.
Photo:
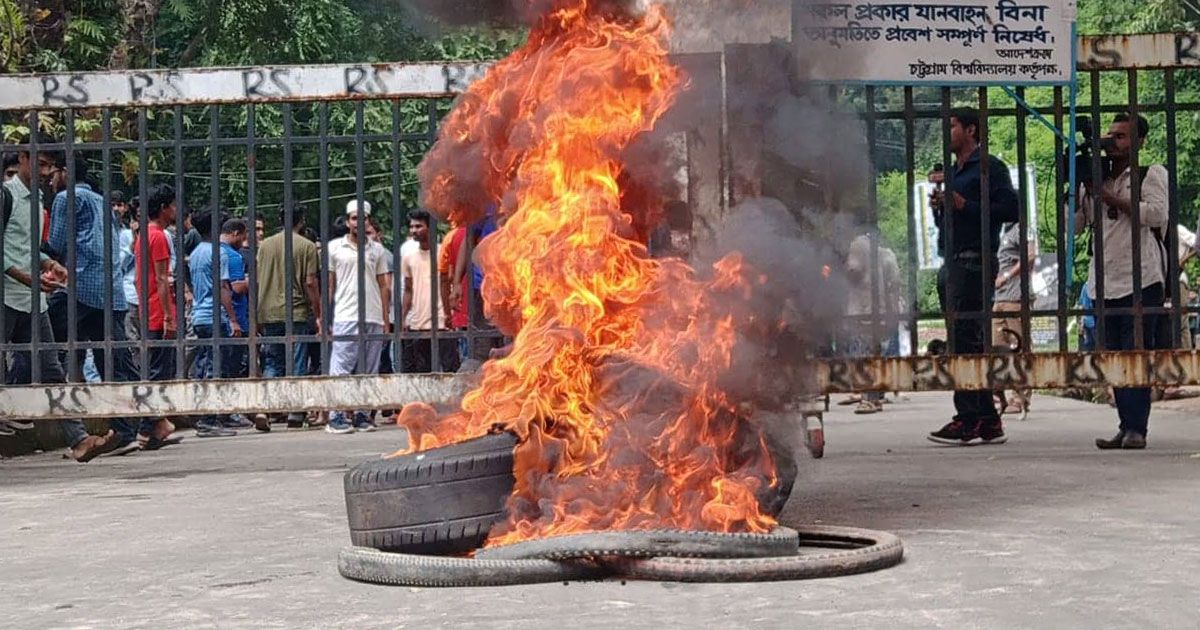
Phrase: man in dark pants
(965, 294)
(1116, 206)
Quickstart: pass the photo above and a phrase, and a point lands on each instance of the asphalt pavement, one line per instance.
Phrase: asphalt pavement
(1042, 532)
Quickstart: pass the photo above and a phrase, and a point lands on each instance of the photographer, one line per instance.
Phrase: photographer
(964, 292)
(1116, 209)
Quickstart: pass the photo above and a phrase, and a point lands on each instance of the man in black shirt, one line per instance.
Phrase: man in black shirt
(964, 292)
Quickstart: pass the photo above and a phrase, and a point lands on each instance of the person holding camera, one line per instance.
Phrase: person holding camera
(963, 290)
(1115, 197)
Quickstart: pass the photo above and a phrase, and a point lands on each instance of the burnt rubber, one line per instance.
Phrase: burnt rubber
(648, 544)
(400, 569)
(441, 501)
(840, 551)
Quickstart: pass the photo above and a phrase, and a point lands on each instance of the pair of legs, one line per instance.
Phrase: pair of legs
(18, 329)
(1133, 403)
(1006, 331)
(965, 294)
(224, 363)
(352, 356)
(416, 356)
(276, 362)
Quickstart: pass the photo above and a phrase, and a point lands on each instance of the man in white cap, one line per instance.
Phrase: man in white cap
(355, 313)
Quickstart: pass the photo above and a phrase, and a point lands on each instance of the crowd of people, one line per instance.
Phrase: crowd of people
(157, 275)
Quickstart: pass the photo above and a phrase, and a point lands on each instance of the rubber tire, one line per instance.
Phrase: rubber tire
(400, 569)
(442, 501)
(648, 544)
(871, 551)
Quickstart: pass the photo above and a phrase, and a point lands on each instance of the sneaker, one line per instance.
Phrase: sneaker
(338, 424)
(205, 430)
(992, 432)
(262, 423)
(237, 421)
(363, 422)
(956, 433)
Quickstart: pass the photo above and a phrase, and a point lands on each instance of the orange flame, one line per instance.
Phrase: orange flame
(613, 382)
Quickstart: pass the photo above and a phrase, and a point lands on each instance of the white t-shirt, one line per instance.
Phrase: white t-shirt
(343, 261)
(415, 268)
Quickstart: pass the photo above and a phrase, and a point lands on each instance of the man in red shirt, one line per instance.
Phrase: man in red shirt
(158, 302)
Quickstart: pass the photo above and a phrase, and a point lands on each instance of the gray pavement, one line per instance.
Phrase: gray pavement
(1043, 532)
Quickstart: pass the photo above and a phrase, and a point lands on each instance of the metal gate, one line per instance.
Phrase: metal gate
(265, 139)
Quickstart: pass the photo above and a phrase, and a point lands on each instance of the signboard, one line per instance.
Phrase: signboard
(236, 85)
(927, 231)
(937, 42)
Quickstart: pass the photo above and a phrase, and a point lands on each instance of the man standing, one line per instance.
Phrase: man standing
(1116, 208)
(233, 239)
(274, 307)
(872, 308)
(96, 275)
(1006, 327)
(212, 307)
(344, 275)
(153, 262)
(417, 312)
(964, 291)
(23, 310)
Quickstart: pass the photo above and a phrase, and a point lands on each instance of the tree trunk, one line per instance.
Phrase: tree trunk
(137, 42)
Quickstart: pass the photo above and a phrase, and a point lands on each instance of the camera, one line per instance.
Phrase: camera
(1085, 150)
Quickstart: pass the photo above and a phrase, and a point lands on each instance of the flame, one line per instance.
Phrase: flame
(613, 381)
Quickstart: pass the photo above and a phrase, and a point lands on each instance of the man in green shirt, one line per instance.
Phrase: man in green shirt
(25, 309)
(283, 297)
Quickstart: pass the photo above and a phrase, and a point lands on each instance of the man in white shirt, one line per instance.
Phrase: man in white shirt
(416, 268)
(1116, 212)
(357, 356)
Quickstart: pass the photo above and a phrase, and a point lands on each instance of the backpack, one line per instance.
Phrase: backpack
(1169, 284)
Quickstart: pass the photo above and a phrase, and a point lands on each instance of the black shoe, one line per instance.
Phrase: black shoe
(295, 424)
(1133, 441)
(213, 430)
(1114, 443)
(992, 432)
(957, 433)
(262, 423)
(237, 421)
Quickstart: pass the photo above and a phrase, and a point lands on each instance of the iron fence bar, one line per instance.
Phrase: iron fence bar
(109, 218)
(288, 227)
(985, 211)
(1097, 218)
(910, 152)
(325, 272)
(1025, 269)
(146, 269)
(1135, 183)
(1173, 261)
(35, 264)
(1063, 228)
(249, 267)
(182, 275)
(872, 220)
(932, 113)
(433, 238)
(397, 242)
(214, 243)
(946, 229)
(360, 236)
(73, 369)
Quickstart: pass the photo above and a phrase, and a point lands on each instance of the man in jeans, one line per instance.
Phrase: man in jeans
(344, 274)
(24, 311)
(964, 291)
(212, 307)
(96, 275)
(276, 306)
(1116, 209)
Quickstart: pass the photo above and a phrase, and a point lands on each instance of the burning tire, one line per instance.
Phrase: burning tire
(442, 501)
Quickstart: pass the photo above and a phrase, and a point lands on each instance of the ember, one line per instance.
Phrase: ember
(614, 379)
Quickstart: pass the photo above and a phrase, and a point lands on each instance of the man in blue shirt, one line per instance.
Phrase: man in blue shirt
(212, 306)
(233, 238)
(99, 285)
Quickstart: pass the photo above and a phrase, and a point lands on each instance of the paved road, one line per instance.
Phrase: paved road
(1043, 532)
